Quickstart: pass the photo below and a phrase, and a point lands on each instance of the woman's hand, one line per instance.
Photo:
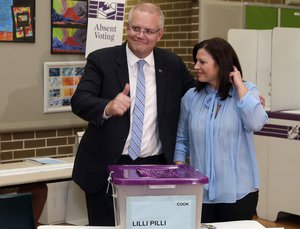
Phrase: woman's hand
(179, 163)
(236, 79)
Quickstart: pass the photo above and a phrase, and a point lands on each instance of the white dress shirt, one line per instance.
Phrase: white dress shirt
(151, 144)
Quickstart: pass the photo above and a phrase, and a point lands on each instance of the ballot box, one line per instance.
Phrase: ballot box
(157, 196)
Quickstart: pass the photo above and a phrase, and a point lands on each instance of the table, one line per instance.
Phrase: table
(71, 227)
(245, 224)
(26, 172)
(14, 175)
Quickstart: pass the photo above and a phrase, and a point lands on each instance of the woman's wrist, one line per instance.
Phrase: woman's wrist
(179, 162)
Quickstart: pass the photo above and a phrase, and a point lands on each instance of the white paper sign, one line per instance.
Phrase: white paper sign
(161, 212)
(105, 24)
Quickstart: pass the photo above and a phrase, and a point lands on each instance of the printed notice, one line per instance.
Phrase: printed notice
(161, 212)
(105, 24)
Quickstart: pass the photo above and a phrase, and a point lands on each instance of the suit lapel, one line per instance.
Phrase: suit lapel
(161, 82)
(122, 67)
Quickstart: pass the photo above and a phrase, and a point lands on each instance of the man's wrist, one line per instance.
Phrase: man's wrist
(105, 115)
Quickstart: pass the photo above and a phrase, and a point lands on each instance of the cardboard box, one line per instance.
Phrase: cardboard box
(54, 211)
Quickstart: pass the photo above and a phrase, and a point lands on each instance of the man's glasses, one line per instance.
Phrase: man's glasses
(147, 32)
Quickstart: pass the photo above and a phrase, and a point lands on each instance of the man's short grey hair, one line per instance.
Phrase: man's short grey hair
(150, 8)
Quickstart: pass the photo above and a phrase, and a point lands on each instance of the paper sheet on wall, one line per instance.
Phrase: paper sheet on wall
(105, 24)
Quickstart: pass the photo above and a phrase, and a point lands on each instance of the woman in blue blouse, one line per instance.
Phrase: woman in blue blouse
(217, 121)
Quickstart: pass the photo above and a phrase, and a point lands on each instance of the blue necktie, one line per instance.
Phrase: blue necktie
(135, 144)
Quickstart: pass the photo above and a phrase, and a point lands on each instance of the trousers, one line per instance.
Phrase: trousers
(243, 209)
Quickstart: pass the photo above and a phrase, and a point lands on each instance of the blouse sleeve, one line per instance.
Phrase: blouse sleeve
(182, 138)
(252, 112)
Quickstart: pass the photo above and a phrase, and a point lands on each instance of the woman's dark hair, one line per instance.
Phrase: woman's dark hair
(225, 57)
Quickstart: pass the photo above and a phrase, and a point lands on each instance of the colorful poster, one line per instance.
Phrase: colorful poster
(60, 82)
(105, 24)
(17, 20)
(68, 26)
(22, 22)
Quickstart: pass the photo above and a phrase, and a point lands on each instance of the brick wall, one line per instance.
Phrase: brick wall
(55, 143)
(181, 33)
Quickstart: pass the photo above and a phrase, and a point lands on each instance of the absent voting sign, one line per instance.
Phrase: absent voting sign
(161, 212)
(105, 24)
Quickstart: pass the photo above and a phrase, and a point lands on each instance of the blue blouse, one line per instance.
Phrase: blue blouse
(220, 144)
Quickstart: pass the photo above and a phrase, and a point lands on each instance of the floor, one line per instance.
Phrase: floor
(287, 221)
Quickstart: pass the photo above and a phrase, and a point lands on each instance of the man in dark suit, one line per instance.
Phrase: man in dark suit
(105, 97)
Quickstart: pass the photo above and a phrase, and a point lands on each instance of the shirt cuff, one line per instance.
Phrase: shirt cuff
(104, 116)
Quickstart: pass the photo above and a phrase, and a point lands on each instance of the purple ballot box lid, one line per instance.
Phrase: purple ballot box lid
(155, 175)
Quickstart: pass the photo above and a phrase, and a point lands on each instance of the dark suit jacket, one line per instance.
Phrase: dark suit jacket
(106, 74)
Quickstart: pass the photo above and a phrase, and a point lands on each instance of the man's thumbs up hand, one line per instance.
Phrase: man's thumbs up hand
(120, 104)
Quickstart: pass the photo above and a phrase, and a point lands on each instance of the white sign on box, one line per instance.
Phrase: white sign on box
(105, 24)
(161, 212)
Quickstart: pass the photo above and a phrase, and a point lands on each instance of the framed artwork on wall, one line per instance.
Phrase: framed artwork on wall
(68, 26)
(17, 20)
(60, 82)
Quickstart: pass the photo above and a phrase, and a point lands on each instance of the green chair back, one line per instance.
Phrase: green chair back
(16, 211)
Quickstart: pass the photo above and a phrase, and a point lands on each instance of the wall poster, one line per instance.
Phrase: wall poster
(105, 24)
(68, 26)
(17, 20)
(60, 82)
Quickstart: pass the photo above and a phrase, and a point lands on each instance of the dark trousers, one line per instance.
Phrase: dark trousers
(100, 204)
(243, 209)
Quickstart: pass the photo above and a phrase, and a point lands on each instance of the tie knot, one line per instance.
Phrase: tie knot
(141, 64)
